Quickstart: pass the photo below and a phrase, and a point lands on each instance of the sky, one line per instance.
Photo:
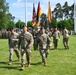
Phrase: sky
(17, 7)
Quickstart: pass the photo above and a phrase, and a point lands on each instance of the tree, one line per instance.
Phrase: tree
(53, 24)
(58, 13)
(43, 21)
(70, 21)
(72, 12)
(66, 9)
(63, 23)
(10, 24)
(3, 10)
(29, 24)
(19, 24)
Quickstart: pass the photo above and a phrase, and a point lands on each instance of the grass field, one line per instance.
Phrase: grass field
(60, 62)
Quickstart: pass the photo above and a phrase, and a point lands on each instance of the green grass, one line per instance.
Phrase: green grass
(60, 62)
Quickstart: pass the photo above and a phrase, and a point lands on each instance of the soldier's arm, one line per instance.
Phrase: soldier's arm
(49, 41)
(17, 37)
(9, 40)
(59, 34)
(31, 40)
(19, 41)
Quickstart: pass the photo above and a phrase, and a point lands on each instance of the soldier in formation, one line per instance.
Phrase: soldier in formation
(44, 42)
(13, 45)
(26, 41)
(65, 38)
(56, 37)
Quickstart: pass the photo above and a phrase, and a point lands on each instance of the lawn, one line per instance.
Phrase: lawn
(60, 62)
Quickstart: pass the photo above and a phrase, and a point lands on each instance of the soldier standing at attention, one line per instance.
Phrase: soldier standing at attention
(26, 41)
(13, 45)
(56, 37)
(65, 38)
(44, 45)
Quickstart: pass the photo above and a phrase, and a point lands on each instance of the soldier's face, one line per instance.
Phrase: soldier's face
(25, 29)
(42, 31)
(12, 31)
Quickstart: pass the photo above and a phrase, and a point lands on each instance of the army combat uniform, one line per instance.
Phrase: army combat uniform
(56, 37)
(44, 42)
(13, 46)
(26, 41)
(65, 38)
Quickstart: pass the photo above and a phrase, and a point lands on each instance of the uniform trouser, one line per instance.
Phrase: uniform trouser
(55, 43)
(44, 54)
(65, 42)
(11, 53)
(35, 45)
(26, 52)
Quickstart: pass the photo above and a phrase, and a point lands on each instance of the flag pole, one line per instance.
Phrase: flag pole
(26, 12)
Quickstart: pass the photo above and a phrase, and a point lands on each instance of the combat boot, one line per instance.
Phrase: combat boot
(29, 65)
(10, 62)
(45, 64)
(22, 67)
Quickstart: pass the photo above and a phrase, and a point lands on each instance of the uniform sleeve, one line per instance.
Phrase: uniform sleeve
(9, 40)
(59, 34)
(31, 40)
(49, 42)
(19, 41)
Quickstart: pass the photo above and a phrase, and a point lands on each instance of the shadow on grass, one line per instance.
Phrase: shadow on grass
(38, 63)
(58, 49)
(3, 62)
(10, 67)
(6, 66)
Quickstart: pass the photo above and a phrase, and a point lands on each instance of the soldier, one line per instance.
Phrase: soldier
(44, 44)
(65, 38)
(35, 33)
(13, 45)
(26, 41)
(56, 37)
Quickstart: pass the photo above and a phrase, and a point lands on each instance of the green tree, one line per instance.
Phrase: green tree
(63, 23)
(10, 24)
(57, 12)
(4, 8)
(19, 24)
(66, 10)
(43, 21)
(29, 24)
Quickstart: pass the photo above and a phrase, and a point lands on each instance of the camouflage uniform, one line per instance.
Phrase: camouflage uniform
(65, 38)
(13, 45)
(44, 45)
(35, 45)
(26, 41)
(56, 37)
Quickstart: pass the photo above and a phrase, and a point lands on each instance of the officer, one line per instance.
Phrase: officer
(44, 44)
(26, 41)
(56, 37)
(65, 38)
(13, 45)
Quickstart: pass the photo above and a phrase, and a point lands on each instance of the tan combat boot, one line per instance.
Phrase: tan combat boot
(22, 67)
(45, 64)
(29, 65)
(10, 62)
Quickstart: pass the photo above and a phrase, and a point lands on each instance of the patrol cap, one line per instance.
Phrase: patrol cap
(11, 29)
(24, 26)
(42, 28)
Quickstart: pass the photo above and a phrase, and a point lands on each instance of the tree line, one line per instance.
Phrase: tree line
(62, 16)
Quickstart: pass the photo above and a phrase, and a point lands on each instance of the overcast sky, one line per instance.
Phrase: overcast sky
(17, 7)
